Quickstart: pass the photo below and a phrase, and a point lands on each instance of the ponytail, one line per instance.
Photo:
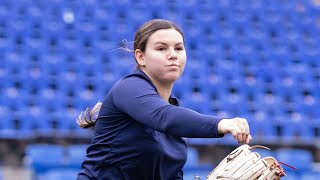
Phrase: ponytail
(87, 118)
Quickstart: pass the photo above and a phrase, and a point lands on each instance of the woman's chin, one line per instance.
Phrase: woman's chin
(173, 77)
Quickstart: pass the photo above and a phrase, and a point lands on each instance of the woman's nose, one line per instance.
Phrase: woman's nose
(172, 54)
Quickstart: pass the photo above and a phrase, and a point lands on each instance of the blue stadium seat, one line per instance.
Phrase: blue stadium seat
(6, 44)
(23, 125)
(137, 14)
(7, 129)
(42, 157)
(302, 159)
(75, 155)
(192, 157)
(15, 113)
(82, 133)
(69, 43)
(36, 41)
(41, 125)
(226, 140)
(262, 129)
(60, 124)
(52, 100)
(5, 81)
(292, 176)
(182, 88)
(298, 132)
(104, 83)
(16, 64)
(309, 110)
(314, 175)
(61, 174)
(233, 101)
(201, 171)
(18, 27)
(197, 101)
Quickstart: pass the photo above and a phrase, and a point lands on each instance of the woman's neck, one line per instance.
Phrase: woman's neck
(164, 90)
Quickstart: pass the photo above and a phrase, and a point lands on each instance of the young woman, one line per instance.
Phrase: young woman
(139, 130)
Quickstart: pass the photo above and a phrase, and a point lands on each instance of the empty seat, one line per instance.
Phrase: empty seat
(292, 176)
(22, 125)
(262, 129)
(301, 131)
(299, 158)
(61, 174)
(15, 124)
(75, 155)
(192, 157)
(314, 175)
(181, 88)
(197, 102)
(41, 124)
(193, 166)
(201, 171)
(7, 128)
(43, 157)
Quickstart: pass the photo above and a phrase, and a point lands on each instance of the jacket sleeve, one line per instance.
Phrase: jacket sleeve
(139, 99)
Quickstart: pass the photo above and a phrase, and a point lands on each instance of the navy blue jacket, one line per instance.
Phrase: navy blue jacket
(138, 135)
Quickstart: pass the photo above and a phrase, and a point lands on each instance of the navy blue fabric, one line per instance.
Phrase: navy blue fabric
(138, 135)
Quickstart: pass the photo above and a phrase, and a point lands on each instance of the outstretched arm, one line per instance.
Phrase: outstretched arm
(139, 99)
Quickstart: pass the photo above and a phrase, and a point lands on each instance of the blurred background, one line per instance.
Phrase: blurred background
(257, 59)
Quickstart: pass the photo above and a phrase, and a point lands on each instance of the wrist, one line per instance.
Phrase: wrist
(220, 127)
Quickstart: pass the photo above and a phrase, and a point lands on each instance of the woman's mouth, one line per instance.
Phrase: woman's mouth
(173, 65)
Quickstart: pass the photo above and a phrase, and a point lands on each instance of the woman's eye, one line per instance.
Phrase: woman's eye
(161, 49)
(179, 48)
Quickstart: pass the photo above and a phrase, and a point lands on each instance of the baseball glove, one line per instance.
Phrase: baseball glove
(243, 164)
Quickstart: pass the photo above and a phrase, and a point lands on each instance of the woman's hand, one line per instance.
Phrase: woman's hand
(238, 127)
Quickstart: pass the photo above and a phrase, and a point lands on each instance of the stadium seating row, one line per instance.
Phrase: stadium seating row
(62, 162)
(65, 161)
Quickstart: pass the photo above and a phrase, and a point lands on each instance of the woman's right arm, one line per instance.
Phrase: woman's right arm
(137, 98)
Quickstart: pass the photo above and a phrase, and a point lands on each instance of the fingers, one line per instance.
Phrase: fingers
(235, 133)
(240, 136)
(246, 126)
(238, 127)
(245, 130)
(241, 131)
(249, 138)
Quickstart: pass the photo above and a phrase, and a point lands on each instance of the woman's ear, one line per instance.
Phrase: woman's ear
(139, 55)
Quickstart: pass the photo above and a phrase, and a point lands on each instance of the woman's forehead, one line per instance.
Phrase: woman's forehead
(166, 36)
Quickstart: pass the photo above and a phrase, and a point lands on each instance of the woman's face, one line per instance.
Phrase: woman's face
(164, 58)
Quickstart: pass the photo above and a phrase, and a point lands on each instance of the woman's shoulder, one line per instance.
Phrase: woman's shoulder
(137, 79)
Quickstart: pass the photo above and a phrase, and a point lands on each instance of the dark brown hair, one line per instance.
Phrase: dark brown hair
(87, 118)
(148, 28)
